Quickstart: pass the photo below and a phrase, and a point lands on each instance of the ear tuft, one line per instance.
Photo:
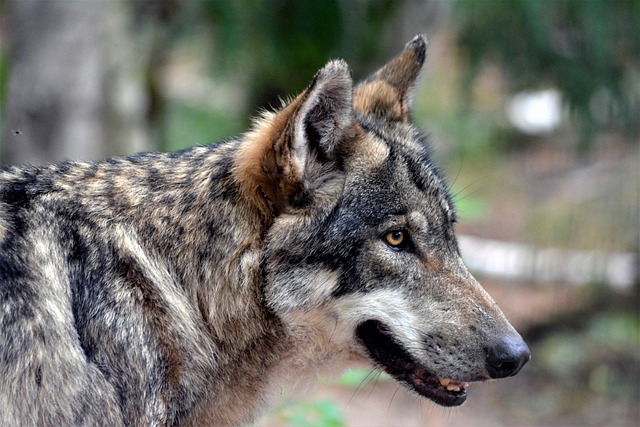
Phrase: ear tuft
(386, 94)
(327, 109)
(419, 45)
(336, 70)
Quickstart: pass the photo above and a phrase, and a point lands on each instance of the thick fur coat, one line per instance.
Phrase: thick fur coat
(190, 288)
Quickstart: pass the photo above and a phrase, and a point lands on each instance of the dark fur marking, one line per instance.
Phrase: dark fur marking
(38, 377)
(17, 197)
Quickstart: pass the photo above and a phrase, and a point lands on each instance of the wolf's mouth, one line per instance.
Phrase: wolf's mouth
(398, 363)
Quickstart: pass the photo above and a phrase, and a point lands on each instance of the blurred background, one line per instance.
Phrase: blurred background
(533, 110)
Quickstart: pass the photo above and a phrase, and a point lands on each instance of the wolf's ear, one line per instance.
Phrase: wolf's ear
(289, 153)
(324, 111)
(386, 94)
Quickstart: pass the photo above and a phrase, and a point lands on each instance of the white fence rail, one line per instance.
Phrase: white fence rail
(522, 262)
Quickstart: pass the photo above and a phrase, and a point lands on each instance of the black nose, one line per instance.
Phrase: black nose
(507, 356)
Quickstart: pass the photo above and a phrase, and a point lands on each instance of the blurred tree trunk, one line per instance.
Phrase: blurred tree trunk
(76, 87)
(55, 102)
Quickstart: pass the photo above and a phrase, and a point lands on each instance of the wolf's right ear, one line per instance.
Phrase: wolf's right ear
(386, 94)
(285, 156)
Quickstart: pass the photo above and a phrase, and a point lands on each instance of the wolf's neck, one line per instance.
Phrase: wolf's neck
(210, 237)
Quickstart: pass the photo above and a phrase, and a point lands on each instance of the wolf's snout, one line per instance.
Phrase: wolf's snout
(507, 357)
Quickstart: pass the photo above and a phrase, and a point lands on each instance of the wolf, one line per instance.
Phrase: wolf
(196, 287)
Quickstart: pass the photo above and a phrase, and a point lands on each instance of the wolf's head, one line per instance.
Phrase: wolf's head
(360, 227)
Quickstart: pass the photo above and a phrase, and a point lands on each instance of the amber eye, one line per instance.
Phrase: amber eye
(395, 238)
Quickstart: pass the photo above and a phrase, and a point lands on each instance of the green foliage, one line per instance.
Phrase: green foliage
(357, 378)
(186, 126)
(282, 43)
(470, 209)
(353, 378)
(604, 356)
(476, 135)
(584, 48)
(308, 414)
(618, 332)
(323, 412)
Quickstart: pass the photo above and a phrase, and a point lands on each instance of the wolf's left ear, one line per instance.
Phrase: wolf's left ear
(289, 154)
(386, 94)
(323, 114)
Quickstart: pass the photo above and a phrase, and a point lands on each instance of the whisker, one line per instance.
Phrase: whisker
(358, 388)
(391, 401)
(470, 194)
(457, 174)
(377, 377)
(454, 197)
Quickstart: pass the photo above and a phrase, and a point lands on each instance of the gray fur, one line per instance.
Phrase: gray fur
(190, 288)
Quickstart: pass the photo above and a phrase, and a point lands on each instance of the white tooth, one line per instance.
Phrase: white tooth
(445, 382)
(465, 385)
(453, 387)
